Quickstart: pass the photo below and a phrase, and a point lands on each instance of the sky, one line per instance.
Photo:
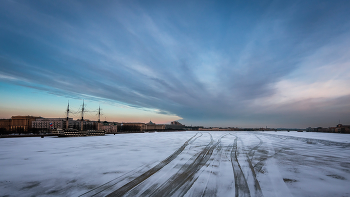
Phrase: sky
(209, 63)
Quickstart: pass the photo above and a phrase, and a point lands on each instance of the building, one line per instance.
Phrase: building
(153, 127)
(60, 123)
(5, 124)
(338, 129)
(108, 127)
(217, 129)
(342, 128)
(132, 127)
(87, 125)
(51, 123)
(309, 129)
(193, 128)
(22, 123)
(175, 125)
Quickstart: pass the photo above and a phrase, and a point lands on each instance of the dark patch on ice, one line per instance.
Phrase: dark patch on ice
(90, 186)
(31, 185)
(72, 181)
(59, 153)
(258, 167)
(112, 172)
(40, 151)
(263, 151)
(336, 176)
(286, 180)
(345, 165)
(26, 158)
(52, 192)
(310, 142)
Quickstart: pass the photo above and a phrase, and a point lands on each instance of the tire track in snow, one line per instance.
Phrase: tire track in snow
(257, 187)
(241, 185)
(242, 181)
(275, 185)
(181, 182)
(251, 153)
(208, 176)
(310, 140)
(140, 178)
(225, 172)
(134, 173)
(153, 182)
(211, 191)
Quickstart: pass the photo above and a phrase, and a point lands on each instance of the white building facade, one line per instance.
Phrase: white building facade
(51, 123)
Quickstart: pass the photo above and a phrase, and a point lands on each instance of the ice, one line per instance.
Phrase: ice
(334, 137)
(201, 164)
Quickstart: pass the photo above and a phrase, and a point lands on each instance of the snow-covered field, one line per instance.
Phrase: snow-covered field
(178, 164)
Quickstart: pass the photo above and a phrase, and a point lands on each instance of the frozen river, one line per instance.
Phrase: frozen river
(178, 164)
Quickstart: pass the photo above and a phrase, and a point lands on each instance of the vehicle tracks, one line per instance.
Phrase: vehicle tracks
(241, 174)
(181, 182)
(98, 190)
(310, 140)
(241, 185)
(127, 187)
(206, 175)
(245, 180)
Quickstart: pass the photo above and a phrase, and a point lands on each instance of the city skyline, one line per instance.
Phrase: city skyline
(239, 64)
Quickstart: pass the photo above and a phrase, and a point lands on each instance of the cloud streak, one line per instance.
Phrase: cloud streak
(230, 63)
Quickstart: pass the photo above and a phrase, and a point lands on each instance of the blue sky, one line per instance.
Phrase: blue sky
(234, 63)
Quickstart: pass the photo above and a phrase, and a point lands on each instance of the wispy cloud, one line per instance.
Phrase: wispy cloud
(229, 62)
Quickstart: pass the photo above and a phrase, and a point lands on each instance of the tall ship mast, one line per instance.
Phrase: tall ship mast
(82, 117)
(70, 132)
(67, 120)
(99, 120)
(99, 113)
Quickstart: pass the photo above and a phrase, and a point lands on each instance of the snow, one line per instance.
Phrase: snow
(178, 164)
(334, 137)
